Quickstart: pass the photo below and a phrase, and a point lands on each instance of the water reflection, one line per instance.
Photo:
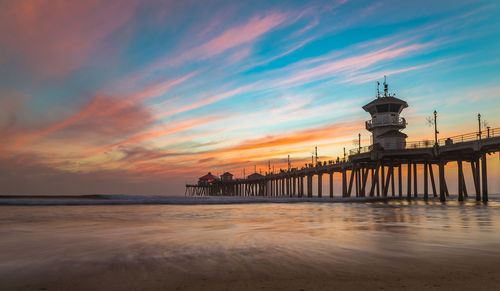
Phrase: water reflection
(251, 239)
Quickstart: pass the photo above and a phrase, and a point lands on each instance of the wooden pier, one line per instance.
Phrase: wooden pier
(371, 172)
(377, 163)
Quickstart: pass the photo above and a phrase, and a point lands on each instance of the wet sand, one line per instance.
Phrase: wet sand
(464, 272)
(300, 246)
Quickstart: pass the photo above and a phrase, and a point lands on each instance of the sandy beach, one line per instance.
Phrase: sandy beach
(475, 271)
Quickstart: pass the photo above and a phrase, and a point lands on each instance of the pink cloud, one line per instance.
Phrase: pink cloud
(204, 102)
(256, 27)
(91, 120)
(350, 64)
(157, 132)
(54, 36)
(231, 38)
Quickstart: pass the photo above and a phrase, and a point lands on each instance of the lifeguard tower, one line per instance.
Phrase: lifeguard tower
(386, 123)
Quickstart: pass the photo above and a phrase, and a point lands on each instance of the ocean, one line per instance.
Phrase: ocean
(250, 246)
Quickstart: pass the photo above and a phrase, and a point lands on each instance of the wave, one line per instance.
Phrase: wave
(121, 199)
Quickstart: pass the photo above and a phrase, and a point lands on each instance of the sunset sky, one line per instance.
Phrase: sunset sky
(140, 97)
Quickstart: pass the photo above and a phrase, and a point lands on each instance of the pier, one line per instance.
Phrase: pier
(377, 170)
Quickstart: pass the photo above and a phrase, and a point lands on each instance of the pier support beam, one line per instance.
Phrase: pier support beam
(426, 182)
(353, 170)
(309, 186)
(374, 181)
(408, 194)
(474, 164)
(301, 187)
(365, 180)
(390, 171)
(484, 177)
(344, 183)
(356, 178)
(331, 185)
(400, 181)
(433, 183)
(294, 186)
(442, 196)
(382, 179)
(415, 183)
(288, 192)
(460, 181)
(320, 185)
(393, 192)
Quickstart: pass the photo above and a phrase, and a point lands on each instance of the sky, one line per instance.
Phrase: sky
(141, 97)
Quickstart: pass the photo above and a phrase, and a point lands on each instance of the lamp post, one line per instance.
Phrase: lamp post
(479, 124)
(435, 128)
(359, 143)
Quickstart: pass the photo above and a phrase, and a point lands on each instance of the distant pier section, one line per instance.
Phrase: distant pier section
(376, 170)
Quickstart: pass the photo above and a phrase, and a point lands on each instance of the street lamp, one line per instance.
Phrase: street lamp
(435, 128)
(479, 123)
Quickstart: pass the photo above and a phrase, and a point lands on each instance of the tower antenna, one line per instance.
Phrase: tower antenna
(378, 89)
(316, 154)
(386, 86)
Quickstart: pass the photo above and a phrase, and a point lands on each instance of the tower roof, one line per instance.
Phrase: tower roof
(208, 177)
(385, 104)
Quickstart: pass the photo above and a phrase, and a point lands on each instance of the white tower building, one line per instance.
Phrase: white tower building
(386, 123)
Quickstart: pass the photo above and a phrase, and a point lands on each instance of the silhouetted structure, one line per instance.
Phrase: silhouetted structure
(372, 170)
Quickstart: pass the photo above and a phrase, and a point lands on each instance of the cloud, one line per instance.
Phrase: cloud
(236, 36)
(92, 119)
(154, 133)
(55, 37)
(203, 102)
(332, 68)
(244, 34)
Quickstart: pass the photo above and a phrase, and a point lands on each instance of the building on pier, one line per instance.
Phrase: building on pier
(255, 176)
(226, 177)
(207, 180)
(386, 123)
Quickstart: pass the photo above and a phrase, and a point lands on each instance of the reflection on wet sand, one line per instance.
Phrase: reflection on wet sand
(392, 245)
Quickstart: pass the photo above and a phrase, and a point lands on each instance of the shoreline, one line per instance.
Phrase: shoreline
(100, 199)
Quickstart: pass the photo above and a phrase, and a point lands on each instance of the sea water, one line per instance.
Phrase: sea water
(44, 244)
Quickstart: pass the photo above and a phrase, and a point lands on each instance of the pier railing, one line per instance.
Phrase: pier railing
(474, 136)
(361, 150)
(398, 121)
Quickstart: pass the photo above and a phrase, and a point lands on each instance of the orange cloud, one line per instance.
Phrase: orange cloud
(93, 119)
(157, 132)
